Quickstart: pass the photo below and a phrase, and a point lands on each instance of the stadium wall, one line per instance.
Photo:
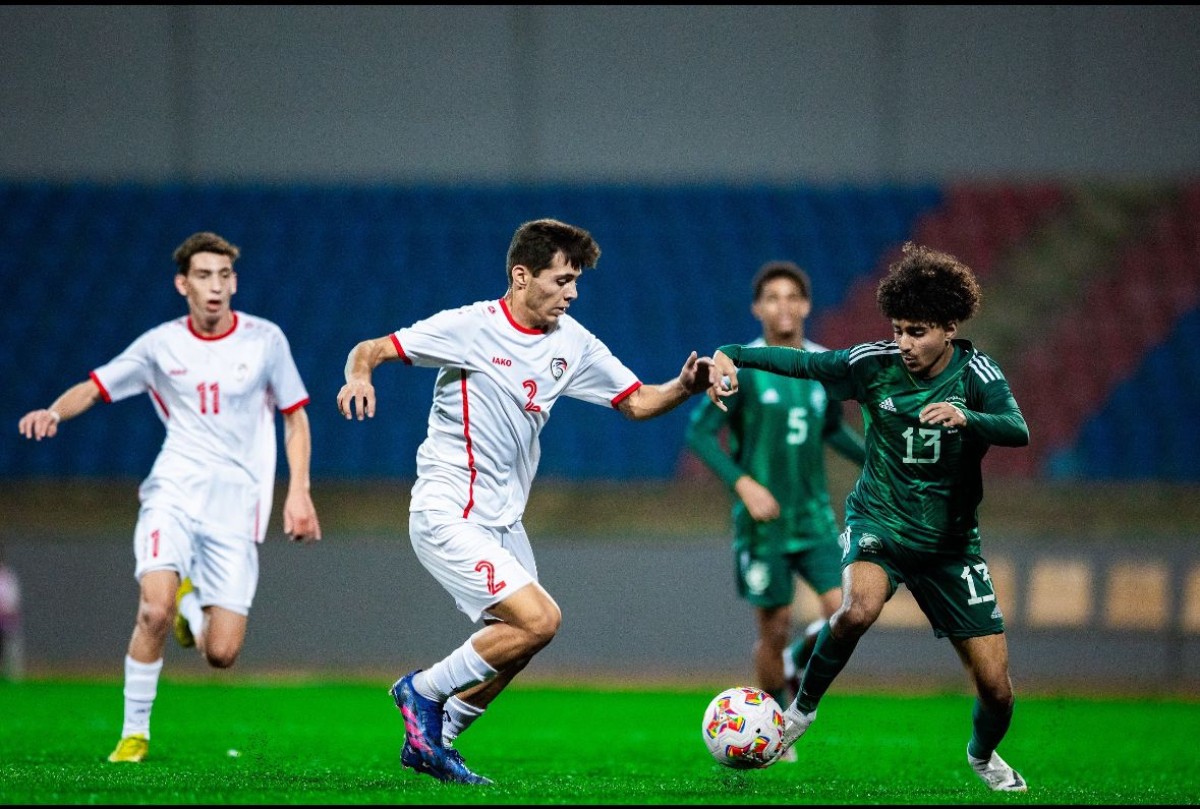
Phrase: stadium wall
(597, 94)
(1081, 616)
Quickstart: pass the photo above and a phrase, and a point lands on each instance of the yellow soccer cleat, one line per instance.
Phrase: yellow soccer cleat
(132, 748)
(183, 632)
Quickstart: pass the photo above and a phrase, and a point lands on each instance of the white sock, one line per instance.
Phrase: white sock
(461, 670)
(457, 716)
(141, 686)
(793, 716)
(189, 607)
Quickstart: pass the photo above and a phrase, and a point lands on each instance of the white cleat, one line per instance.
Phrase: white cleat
(996, 773)
(794, 725)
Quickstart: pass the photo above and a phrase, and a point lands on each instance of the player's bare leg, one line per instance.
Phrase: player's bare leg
(463, 684)
(144, 660)
(517, 629)
(865, 590)
(527, 621)
(774, 631)
(222, 637)
(986, 662)
(797, 653)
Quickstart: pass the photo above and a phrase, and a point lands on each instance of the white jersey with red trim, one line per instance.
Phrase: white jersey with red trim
(492, 397)
(217, 397)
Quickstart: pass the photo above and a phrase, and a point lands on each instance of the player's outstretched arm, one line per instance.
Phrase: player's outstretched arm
(300, 521)
(358, 394)
(39, 424)
(649, 401)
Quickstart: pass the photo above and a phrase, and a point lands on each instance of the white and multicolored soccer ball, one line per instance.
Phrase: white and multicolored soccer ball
(743, 728)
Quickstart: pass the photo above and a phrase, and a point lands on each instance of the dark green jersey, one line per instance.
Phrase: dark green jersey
(921, 483)
(778, 427)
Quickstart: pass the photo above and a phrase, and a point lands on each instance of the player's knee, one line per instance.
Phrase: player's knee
(155, 618)
(221, 655)
(998, 696)
(544, 627)
(851, 621)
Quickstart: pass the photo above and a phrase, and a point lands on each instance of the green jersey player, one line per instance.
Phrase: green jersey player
(783, 522)
(932, 404)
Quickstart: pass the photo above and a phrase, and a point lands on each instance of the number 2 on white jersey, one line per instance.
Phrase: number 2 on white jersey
(531, 391)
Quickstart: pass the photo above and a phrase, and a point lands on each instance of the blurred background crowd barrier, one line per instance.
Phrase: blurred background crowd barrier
(372, 163)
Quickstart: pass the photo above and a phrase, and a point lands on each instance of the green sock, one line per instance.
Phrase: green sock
(987, 729)
(801, 649)
(829, 657)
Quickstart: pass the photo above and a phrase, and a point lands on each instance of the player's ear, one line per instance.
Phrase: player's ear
(951, 330)
(232, 283)
(181, 284)
(520, 276)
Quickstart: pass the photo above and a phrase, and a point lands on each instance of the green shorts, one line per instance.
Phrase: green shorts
(954, 590)
(766, 578)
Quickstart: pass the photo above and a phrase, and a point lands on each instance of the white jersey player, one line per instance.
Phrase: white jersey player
(216, 378)
(503, 364)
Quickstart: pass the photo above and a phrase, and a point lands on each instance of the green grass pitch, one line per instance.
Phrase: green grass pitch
(337, 743)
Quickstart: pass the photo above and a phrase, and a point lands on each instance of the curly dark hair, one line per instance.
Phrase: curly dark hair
(928, 286)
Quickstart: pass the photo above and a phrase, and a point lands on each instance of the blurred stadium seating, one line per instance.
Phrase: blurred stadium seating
(1092, 301)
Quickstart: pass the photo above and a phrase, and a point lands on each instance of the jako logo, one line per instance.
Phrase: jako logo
(507, 363)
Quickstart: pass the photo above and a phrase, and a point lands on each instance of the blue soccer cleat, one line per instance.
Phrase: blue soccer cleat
(422, 717)
(423, 750)
(447, 765)
(462, 773)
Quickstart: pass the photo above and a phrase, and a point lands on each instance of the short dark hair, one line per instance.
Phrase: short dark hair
(928, 286)
(535, 244)
(781, 269)
(203, 242)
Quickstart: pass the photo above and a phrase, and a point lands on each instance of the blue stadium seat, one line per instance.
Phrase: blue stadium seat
(335, 264)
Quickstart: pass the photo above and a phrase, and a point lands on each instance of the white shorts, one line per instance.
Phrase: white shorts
(223, 567)
(479, 565)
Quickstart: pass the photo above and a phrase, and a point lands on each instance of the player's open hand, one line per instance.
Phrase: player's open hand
(357, 395)
(39, 424)
(724, 379)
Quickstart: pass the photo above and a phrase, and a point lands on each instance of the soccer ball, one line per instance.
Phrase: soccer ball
(743, 728)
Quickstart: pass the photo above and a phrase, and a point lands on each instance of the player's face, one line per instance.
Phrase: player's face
(539, 300)
(782, 308)
(209, 285)
(924, 347)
